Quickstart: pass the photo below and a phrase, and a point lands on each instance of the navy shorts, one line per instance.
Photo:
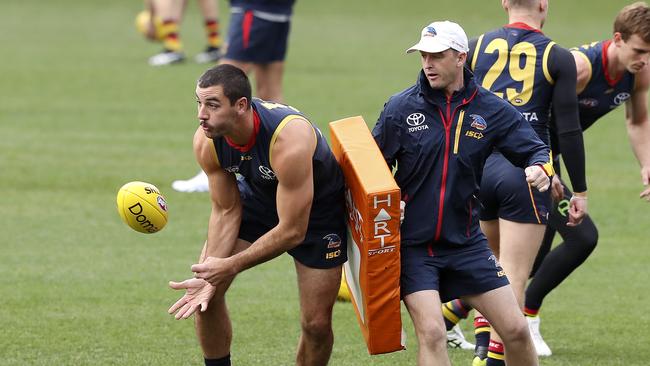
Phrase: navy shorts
(325, 244)
(453, 272)
(256, 40)
(506, 194)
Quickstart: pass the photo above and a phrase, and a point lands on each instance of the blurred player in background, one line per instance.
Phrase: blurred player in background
(610, 73)
(438, 135)
(164, 25)
(289, 198)
(521, 65)
(257, 43)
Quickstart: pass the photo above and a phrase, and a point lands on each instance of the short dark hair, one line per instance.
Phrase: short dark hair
(634, 19)
(232, 79)
(526, 4)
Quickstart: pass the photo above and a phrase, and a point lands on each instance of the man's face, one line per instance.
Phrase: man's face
(216, 116)
(441, 68)
(633, 53)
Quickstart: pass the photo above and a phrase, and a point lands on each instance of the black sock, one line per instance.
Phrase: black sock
(223, 361)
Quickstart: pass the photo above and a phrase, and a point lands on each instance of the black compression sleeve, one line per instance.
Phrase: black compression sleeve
(565, 116)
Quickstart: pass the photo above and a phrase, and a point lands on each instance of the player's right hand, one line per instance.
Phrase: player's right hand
(198, 293)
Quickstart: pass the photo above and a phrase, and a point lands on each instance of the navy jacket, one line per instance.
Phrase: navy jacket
(438, 146)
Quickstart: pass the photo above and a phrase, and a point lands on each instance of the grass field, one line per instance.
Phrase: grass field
(81, 113)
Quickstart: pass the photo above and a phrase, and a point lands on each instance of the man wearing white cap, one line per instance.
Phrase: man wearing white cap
(438, 134)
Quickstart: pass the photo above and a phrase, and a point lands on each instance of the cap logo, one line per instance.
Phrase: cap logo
(431, 32)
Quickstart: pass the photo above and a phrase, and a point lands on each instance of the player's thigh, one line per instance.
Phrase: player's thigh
(506, 194)
(317, 288)
(491, 230)
(499, 307)
(425, 309)
(519, 244)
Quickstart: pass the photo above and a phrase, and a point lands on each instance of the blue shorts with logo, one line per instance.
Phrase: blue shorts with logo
(325, 244)
(506, 194)
(454, 271)
(254, 39)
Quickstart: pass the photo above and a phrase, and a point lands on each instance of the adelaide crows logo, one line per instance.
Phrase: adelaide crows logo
(478, 122)
(333, 240)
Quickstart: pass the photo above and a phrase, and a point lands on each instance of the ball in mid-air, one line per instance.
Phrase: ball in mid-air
(142, 207)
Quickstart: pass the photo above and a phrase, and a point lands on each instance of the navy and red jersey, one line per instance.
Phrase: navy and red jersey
(602, 93)
(277, 7)
(253, 163)
(512, 62)
(439, 146)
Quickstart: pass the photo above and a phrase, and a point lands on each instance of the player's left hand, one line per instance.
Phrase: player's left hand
(537, 178)
(215, 270)
(645, 179)
(577, 210)
(198, 293)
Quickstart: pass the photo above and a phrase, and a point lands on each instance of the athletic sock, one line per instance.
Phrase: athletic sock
(212, 33)
(171, 40)
(495, 354)
(223, 361)
(482, 334)
(453, 311)
(531, 312)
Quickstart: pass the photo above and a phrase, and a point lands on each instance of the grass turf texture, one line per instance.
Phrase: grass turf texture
(81, 113)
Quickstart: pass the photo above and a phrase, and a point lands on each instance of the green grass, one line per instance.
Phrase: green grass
(81, 113)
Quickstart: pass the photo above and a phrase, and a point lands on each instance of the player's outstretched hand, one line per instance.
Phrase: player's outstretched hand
(198, 293)
(537, 178)
(217, 271)
(645, 179)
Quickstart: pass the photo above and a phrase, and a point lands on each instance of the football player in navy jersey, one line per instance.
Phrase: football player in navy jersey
(275, 187)
(610, 73)
(520, 64)
(258, 38)
(438, 134)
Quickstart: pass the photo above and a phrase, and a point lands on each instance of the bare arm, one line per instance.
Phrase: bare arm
(225, 216)
(291, 161)
(583, 68)
(638, 126)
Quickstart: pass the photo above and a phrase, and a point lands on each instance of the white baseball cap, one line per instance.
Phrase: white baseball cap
(440, 36)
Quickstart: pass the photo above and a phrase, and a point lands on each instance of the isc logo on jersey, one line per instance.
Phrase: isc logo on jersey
(142, 207)
(416, 121)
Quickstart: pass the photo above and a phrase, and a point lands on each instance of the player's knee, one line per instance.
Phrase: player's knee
(432, 335)
(587, 238)
(515, 332)
(318, 327)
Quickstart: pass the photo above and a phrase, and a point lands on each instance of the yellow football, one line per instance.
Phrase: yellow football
(143, 23)
(142, 207)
